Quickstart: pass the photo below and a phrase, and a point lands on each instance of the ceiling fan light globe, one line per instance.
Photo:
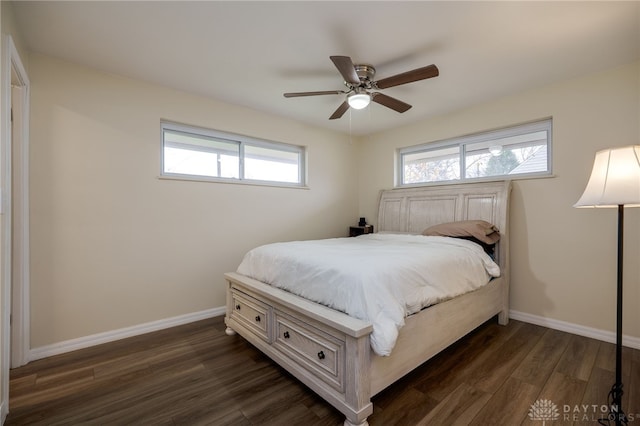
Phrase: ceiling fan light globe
(359, 100)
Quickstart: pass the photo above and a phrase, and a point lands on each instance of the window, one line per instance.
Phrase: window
(522, 150)
(196, 153)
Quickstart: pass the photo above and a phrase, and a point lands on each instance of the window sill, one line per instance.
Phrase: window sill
(232, 181)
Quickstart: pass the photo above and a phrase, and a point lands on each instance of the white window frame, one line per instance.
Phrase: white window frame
(242, 141)
(462, 141)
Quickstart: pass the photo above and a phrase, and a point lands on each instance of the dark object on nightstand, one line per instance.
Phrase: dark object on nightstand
(354, 231)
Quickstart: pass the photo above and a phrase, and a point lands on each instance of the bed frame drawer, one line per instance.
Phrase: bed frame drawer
(321, 353)
(252, 314)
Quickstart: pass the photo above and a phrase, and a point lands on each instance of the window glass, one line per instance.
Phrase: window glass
(526, 153)
(432, 166)
(522, 150)
(199, 155)
(190, 152)
(269, 164)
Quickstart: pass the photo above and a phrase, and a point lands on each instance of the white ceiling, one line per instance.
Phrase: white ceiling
(250, 53)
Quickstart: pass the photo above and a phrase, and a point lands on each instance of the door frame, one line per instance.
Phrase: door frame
(19, 145)
(14, 194)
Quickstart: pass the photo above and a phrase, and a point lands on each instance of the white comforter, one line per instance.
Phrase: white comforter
(380, 278)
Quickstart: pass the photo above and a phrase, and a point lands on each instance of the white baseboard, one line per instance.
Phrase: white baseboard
(594, 333)
(3, 412)
(110, 336)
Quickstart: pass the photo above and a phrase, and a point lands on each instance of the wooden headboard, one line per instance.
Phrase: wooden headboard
(412, 210)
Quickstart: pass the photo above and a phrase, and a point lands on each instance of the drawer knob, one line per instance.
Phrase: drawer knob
(258, 318)
(286, 334)
(320, 355)
(237, 307)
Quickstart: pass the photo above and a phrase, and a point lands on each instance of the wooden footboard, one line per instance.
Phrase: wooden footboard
(326, 350)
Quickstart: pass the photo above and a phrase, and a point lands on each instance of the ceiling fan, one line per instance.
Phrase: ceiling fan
(359, 82)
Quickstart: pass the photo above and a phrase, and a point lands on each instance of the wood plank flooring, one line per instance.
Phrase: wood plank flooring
(196, 375)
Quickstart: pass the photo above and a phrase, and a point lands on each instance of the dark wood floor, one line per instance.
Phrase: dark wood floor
(196, 375)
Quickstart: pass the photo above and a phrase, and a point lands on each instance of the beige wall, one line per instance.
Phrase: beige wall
(9, 26)
(563, 260)
(112, 245)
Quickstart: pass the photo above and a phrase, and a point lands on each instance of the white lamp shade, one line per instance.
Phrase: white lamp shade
(615, 179)
(359, 100)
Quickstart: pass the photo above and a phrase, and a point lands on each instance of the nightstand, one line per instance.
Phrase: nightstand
(354, 231)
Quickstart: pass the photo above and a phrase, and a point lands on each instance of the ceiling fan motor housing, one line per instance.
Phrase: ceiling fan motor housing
(365, 74)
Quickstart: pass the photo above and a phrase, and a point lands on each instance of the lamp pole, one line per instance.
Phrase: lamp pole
(616, 391)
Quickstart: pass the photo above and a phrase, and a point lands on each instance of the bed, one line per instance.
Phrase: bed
(330, 351)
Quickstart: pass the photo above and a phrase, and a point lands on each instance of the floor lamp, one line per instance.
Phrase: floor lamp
(615, 183)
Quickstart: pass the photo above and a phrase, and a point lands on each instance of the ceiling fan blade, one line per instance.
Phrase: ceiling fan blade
(325, 92)
(340, 111)
(346, 68)
(390, 102)
(408, 77)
